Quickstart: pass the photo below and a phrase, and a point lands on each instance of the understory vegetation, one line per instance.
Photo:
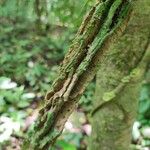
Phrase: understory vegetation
(34, 37)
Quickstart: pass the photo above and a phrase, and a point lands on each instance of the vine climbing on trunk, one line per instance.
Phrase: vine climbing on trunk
(104, 23)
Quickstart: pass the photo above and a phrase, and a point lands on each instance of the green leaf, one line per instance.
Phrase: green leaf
(65, 145)
(23, 104)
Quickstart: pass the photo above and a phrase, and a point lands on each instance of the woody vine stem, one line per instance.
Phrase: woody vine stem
(104, 23)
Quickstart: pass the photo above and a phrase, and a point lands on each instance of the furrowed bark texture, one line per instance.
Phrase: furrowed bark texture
(118, 83)
(105, 22)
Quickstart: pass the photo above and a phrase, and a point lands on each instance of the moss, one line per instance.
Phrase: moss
(48, 139)
(121, 65)
(104, 32)
(79, 67)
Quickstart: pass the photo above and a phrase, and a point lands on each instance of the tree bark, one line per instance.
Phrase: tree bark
(118, 84)
(38, 12)
(40, 8)
(105, 22)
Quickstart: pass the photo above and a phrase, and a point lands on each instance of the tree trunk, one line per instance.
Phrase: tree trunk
(41, 9)
(104, 23)
(38, 7)
(118, 84)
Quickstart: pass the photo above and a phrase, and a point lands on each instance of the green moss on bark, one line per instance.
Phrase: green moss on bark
(113, 121)
(78, 69)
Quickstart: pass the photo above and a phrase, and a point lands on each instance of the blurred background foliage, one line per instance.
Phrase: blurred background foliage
(34, 36)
